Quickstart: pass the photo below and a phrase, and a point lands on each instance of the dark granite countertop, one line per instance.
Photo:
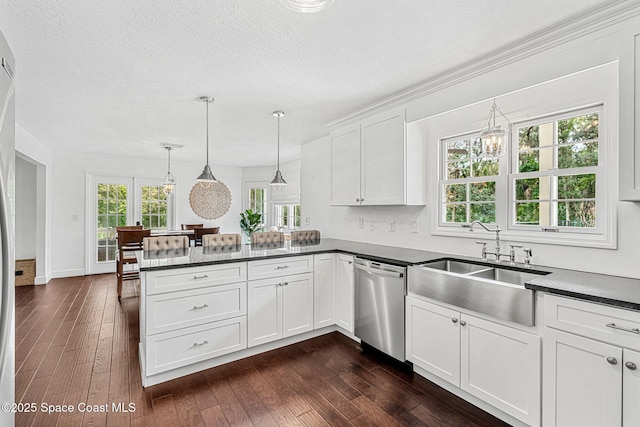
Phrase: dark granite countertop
(613, 290)
(198, 256)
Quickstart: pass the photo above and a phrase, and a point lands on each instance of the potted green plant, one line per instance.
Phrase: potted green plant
(250, 222)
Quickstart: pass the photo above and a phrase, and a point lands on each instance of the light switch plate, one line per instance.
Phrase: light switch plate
(372, 225)
(392, 225)
(307, 221)
(414, 226)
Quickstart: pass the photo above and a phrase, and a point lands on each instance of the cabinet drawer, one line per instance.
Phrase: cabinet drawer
(280, 267)
(166, 312)
(185, 346)
(605, 323)
(181, 279)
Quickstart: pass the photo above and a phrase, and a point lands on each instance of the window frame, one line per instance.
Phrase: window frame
(443, 182)
(555, 172)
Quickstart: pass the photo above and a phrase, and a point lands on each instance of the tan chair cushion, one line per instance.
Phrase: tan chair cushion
(267, 237)
(229, 239)
(165, 242)
(305, 235)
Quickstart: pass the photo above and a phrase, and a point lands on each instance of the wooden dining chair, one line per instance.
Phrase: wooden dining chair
(198, 232)
(129, 241)
(191, 227)
(128, 227)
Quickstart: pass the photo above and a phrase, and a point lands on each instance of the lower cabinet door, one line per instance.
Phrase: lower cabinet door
(501, 365)
(179, 348)
(631, 389)
(345, 292)
(324, 297)
(297, 304)
(264, 310)
(583, 381)
(433, 339)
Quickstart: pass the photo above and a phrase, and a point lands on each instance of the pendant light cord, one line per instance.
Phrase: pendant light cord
(278, 161)
(169, 161)
(207, 102)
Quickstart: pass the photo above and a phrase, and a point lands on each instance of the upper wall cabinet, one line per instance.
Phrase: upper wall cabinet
(630, 121)
(374, 163)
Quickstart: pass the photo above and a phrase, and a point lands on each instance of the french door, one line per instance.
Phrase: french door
(114, 201)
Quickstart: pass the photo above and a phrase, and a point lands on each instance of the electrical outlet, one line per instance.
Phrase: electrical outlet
(360, 222)
(392, 225)
(414, 226)
(74, 217)
(307, 221)
(372, 225)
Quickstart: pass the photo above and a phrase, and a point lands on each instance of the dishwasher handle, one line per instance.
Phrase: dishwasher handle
(374, 270)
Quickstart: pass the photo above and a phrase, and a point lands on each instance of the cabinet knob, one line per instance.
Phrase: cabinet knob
(350, 262)
(454, 320)
(286, 283)
(631, 366)
(612, 360)
(463, 323)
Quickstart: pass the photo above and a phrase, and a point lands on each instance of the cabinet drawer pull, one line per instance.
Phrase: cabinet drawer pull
(631, 366)
(454, 320)
(198, 345)
(195, 307)
(612, 360)
(282, 267)
(632, 330)
(463, 323)
(204, 276)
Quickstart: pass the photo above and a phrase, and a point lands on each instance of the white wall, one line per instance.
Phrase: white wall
(30, 148)
(611, 43)
(69, 204)
(25, 209)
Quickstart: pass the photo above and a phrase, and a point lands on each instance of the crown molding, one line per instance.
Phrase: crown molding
(549, 37)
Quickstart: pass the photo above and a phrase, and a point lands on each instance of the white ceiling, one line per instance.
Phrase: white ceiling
(122, 76)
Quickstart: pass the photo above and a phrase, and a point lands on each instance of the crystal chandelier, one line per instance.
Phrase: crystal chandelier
(494, 139)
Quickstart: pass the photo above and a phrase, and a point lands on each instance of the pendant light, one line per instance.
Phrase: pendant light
(278, 183)
(494, 139)
(169, 183)
(206, 177)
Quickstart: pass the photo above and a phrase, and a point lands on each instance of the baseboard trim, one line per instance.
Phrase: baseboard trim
(67, 273)
(42, 280)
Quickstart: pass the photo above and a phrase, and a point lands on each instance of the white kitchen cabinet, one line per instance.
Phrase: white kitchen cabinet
(345, 166)
(590, 374)
(373, 163)
(324, 295)
(279, 307)
(433, 339)
(502, 366)
(496, 363)
(345, 292)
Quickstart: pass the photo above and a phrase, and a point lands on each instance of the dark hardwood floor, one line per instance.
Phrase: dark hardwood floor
(75, 344)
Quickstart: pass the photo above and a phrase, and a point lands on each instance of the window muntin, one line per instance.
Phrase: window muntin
(468, 184)
(258, 202)
(557, 172)
(287, 216)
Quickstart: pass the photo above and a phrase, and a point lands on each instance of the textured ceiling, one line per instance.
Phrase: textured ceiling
(122, 76)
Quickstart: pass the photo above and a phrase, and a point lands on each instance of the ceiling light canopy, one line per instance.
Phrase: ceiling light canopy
(206, 177)
(494, 139)
(278, 183)
(306, 6)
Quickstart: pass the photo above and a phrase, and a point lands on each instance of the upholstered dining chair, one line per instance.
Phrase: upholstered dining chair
(157, 243)
(129, 241)
(200, 231)
(229, 239)
(305, 235)
(267, 237)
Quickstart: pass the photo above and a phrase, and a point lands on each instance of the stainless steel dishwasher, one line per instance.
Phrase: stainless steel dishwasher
(379, 297)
